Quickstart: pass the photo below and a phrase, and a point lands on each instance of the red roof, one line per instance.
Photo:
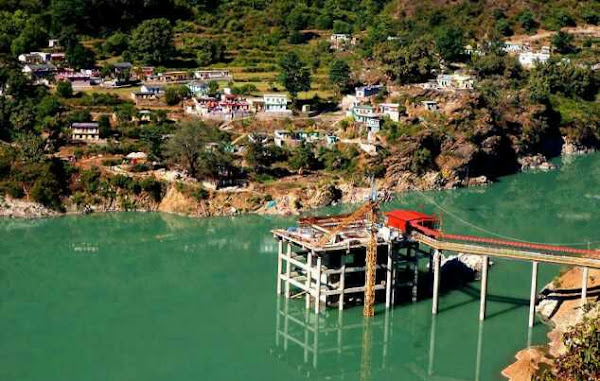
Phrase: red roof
(410, 215)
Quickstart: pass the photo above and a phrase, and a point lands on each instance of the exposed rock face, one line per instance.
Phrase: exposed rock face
(571, 147)
(535, 162)
(23, 209)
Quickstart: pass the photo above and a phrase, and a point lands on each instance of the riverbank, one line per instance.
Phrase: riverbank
(562, 311)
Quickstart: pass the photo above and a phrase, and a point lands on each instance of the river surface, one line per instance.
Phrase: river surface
(134, 296)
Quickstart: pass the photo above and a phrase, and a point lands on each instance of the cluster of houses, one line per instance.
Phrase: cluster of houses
(359, 107)
(526, 56)
(228, 106)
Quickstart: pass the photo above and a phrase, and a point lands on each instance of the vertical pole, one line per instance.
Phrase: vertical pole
(342, 283)
(308, 277)
(484, 278)
(279, 264)
(436, 281)
(318, 291)
(288, 270)
(340, 331)
(533, 294)
(584, 284)
(388, 281)
(316, 341)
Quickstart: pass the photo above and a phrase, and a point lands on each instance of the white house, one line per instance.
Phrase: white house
(531, 59)
(455, 81)
(276, 103)
(85, 132)
(368, 116)
(213, 75)
(367, 91)
(430, 105)
(391, 110)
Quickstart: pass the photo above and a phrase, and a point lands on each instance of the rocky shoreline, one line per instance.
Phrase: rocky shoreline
(264, 200)
(559, 312)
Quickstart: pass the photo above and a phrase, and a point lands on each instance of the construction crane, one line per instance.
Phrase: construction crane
(368, 213)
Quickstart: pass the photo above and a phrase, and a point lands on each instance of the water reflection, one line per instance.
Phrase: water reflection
(347, 347)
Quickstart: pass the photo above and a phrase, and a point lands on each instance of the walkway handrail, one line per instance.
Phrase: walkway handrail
(506, 252)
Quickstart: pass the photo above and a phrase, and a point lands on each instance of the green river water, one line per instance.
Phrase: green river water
(135, 296)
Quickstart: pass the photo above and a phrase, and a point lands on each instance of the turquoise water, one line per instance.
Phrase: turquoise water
(135, 296)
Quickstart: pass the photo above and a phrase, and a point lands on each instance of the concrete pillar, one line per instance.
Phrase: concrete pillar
(533, 294)
(388, 281)
(288, 270)
(484, 277)
(308, 277)
(436, 281)
(279, 264)
(318, 290)
(584, 284)
(342, 282)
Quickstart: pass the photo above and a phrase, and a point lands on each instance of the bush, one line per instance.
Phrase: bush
(64, 89)
(153, 187)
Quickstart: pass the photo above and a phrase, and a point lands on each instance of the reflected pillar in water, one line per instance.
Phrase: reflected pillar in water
(365, 360)
(479, 350)
(484, 280)
(432, 345)
(532, 295)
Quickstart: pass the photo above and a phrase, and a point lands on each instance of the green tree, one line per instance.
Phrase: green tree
(339, 75)
(303, 157)
(186, 146)
(79, 57)
(341, 27)
(293, 75)
(563, 42)
(116, 43)
(104, 126)
(64, 89)
(152, 41)
(175, 94)
(450, 43)
(528, 22)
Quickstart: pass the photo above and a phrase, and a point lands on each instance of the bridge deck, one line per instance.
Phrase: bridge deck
(557, 258)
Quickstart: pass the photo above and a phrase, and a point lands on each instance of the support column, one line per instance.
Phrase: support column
(584, 284)
(318, 290)
(388, 281)
(288, 269)
(279, 264)
(308, 277)
(484, 278)
(533, 294)
(436, 281)
(342, 282)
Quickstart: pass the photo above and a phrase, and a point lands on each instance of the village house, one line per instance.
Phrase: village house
(54, 43)
(213, 75)
(331, 140)
(514, 48)
(430, 106)
(341, 41)
(368, 116)
(294, 139)
(85, 132)
(454, 82)
(145, 98)
(257, 138)
(170, 77)
(39, 71)
(363, 92)
(197, 87)
(531, 59)
(276, 103)
(153, 89)
(390, 110)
